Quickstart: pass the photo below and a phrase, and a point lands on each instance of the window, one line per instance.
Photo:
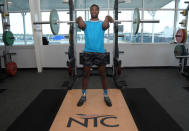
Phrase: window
(17, 29)
(159, 32)
(109, 38)
(80, 33)
(152, 32)
(46, 27)
(182, 5)
(62, 37)
(163, 31)
(28, 29)
(64, 27)
(124, 28)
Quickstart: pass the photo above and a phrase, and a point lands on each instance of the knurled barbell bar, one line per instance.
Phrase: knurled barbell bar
(55, 23)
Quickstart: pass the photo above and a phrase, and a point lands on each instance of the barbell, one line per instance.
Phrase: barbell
(55, 22)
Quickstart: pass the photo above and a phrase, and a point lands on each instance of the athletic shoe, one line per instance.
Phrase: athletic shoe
(81, 101)
(107, 101)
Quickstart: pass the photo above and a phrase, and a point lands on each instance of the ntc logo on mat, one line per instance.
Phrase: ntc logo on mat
(84, 118)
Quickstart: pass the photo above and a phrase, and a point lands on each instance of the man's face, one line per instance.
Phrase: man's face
(94, 12)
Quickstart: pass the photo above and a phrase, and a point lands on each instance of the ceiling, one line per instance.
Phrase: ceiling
(23, 5)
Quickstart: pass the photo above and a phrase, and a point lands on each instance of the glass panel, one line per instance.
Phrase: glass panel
(159, 4)
(80, 33)
(62, 37)
(46, 27)
(159, 32)
(64, 27)
(127, 26)
(124, 28)
(17, 29)
(29, 33)
(182, 5)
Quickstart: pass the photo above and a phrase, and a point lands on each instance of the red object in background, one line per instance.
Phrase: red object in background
(181, 36)
(11, 68)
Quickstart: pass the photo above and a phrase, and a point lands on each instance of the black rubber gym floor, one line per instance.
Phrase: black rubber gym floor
(186, 88)
(147, 112)
(2, 90)
(164, 84)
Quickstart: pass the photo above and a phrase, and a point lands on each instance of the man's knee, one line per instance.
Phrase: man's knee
(101, 70)
(87, 71)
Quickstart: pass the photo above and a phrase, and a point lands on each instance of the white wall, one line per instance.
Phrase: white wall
(54, 55)
(141, 55)
(24, 58)
(136, 55)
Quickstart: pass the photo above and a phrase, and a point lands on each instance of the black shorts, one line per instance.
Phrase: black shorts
(93, 58)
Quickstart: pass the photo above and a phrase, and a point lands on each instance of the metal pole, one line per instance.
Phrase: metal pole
(142, 25)
(48, 22)
(149, 21)
(115, 21)
(6, 28)
(141, 21)
(131, 38)
(43, 22)
(75, 36)
(24, 26)
(175, 19)
(153, 28)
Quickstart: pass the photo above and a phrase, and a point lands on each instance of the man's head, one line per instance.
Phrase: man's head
(94, 10)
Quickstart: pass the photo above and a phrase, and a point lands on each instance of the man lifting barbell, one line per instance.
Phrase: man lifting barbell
(94, 46)
(94, 52)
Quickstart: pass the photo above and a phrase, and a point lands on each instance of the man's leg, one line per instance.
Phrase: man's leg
(84, 85)
(101, 70)
(104, 85)
(85, 77)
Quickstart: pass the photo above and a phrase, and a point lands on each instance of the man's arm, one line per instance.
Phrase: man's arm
(106, 22)
(81, 23)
